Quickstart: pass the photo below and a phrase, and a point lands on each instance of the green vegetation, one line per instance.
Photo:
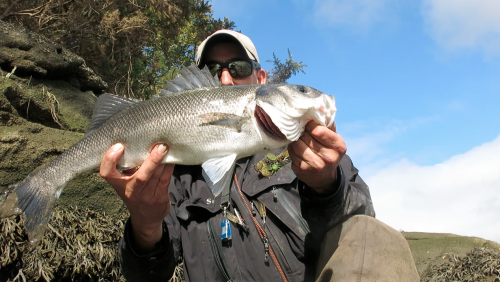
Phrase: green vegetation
(135, 46)
(270, 164)
(281, 72)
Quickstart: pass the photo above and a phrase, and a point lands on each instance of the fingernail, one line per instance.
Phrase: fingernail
(161, 148)
(117, 147)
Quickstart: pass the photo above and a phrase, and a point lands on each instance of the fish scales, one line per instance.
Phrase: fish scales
(174, 120)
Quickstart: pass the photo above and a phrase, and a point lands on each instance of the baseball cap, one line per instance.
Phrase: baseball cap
(232, 35)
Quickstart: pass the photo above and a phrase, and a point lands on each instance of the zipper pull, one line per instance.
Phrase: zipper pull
(266, 249)
(225, 233)
(275, 195)
(254, 211)
(241, 221)
(262, 211)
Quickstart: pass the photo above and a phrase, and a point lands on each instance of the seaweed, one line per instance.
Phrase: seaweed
(78, 245)
(478, 265)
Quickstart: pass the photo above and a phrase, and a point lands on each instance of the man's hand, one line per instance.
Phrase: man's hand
(316, 155)
(144, 191)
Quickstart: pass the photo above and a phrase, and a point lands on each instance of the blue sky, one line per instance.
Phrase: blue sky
(417, 86)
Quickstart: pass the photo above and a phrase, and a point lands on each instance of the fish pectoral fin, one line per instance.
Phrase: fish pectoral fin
(217, 172)
(108, 105)
(231, 121)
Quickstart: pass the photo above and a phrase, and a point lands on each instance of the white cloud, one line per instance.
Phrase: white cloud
(460, 195)
(464, 23)
(357, 13)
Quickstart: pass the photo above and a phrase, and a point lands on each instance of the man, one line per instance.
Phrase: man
(312, 220)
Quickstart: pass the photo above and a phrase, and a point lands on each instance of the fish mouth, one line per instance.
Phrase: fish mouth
(267, 124)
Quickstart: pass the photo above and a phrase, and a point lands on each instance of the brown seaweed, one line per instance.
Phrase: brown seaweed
(481, 264)
(78, 245)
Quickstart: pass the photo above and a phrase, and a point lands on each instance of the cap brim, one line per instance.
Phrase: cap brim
(223, 35)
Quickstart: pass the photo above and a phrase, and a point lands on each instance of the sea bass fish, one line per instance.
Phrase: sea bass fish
(201, 121)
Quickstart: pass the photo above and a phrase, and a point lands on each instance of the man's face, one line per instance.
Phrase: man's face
(226, 51)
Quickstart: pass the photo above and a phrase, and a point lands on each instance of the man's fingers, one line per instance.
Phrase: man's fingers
(324, 135)
(167, 173)
(150, 165)
(160, 180)
(322, 139)
(312, 143)
(108, 163)
(293, 156)
(317, 148)
(164, 180)
(302, 156)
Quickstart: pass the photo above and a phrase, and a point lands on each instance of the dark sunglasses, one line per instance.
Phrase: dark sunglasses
(237, 68)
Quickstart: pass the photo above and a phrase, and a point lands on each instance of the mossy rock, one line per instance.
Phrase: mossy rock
(25, 147)
(40, 119)
(55, 104)
(29, 54)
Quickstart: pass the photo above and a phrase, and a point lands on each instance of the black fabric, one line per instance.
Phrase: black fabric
(193, 205)
(154, 266)
(219, 258)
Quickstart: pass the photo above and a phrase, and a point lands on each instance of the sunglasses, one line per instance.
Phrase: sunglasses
(237, 68)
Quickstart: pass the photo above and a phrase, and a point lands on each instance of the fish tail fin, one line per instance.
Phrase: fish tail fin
(35, 196)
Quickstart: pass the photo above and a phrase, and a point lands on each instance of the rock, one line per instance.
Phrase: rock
(46, 105)
(26, 146)
(29, 54)
(29, 138)
(52, 103)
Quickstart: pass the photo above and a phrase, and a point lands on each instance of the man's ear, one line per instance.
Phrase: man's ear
(261, 76)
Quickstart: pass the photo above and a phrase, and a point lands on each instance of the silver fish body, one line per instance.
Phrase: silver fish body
(205, 124)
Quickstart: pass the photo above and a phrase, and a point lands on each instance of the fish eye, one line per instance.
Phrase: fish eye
(307, 91)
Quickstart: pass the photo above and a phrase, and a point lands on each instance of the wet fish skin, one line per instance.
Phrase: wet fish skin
(212, 126)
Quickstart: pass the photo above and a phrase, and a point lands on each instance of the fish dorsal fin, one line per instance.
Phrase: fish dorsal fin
(217, 172)
(188, 79)
(108, 105)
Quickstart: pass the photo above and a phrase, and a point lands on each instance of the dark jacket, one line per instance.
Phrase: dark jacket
(295, 225)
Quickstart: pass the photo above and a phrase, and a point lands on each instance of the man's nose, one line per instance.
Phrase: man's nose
(225, 77)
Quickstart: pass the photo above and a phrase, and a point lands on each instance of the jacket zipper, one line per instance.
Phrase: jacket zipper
(216, 246)
(262, 233)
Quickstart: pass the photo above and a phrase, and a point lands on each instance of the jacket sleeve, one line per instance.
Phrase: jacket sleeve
(158, 265)
(352, 197)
